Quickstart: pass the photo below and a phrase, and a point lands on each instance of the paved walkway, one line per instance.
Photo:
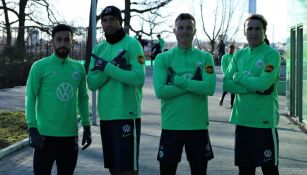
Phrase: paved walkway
(293, 143)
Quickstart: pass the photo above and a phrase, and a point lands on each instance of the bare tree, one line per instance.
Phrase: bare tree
(7, 23)
(146, 6)
(223, 25)
(28, 10)
(151, 24)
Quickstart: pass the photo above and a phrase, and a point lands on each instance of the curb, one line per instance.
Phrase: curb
(12, 148)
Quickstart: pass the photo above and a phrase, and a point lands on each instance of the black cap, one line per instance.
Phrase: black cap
(112, 11)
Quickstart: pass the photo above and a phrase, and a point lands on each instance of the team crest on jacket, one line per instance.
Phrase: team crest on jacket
(76, 75)
(209, 69)
(259, 63)
(269, 68)
(141, 59)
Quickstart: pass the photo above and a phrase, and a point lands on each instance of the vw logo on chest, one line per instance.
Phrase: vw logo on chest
(64, 91)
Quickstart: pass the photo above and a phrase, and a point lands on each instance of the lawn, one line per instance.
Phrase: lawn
(13, 127)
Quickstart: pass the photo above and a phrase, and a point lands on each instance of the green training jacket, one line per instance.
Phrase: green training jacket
(119, 91)
(252, 70)
(225, 62)
(184, 104)
(55, 88)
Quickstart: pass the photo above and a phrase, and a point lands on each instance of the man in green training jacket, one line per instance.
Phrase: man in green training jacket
(161, 43)
(253, 76)
(117, 71)
(183, 78)
(56, 92)
(225, 62)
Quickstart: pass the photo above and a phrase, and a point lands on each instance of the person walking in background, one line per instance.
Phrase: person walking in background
(183, 78)
(157, 48)
(56, 87)
(225, 62)
(161, 43)
(117, 71)
(220, 51)
(253, 75)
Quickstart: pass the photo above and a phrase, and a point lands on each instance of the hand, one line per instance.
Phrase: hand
(197, 75)
(267, 92)
(35, 139)
(100, 63)
(120, 61)
(170, 76)
(87, 137)
(237, 77)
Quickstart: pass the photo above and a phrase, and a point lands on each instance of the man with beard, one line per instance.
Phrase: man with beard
(117, 71)
(183, 79)
(56, 92)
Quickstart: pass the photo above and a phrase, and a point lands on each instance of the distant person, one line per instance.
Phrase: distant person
(225, 62)
(157, 47)
(56, 93)
(142, 41)
(161, 43)
(221, 51)
(155, 50)
(183, 79)
(118, 73)
(253, 75)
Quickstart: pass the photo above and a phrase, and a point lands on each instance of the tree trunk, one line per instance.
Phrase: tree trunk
(20, 43)
(7, 25)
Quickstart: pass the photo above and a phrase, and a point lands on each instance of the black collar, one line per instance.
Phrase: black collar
(116, 37)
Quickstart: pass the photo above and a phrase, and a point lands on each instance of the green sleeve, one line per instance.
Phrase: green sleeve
(204, 87)
(32, 90)
(162, 43)
(267, 78)
(83, 98)
(162, 90)
(96, 79)
(135, 76)
(224, 64)
(229, 85)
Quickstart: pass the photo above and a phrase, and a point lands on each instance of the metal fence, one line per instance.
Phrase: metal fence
(38, 43)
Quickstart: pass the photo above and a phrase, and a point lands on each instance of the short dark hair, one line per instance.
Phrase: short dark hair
(184, 16)
(61, 27)
(232, 46)
(258, 17)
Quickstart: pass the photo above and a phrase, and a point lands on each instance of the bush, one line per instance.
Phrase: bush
(13, 127)
(14, 73)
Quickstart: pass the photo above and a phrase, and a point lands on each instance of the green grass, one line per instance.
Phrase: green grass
(13, 127)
